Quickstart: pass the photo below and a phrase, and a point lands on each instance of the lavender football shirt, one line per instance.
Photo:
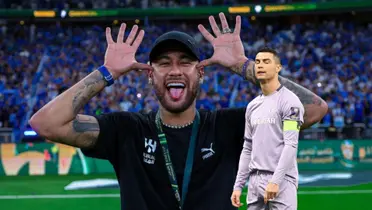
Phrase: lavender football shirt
(266, 140)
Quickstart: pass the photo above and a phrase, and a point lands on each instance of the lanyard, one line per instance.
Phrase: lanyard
(189, 160)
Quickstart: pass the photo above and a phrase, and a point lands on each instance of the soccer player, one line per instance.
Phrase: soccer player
(175, 157)
(273, 121)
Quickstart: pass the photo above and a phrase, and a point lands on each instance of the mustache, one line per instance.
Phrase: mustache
(176, 79)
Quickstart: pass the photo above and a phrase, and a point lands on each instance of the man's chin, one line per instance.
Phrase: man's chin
(175, 110)
(175, 106)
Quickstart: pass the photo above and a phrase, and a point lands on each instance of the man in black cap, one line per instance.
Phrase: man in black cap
(178, 157)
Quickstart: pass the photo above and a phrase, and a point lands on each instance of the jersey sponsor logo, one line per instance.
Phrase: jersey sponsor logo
(259, 121)
(150, 148)
(150, 145)
(209, 151)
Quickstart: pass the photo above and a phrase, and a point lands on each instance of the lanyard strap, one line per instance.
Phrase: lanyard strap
(189, 160)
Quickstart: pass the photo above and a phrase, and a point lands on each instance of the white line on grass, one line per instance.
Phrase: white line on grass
(330, 192)
(6, 197)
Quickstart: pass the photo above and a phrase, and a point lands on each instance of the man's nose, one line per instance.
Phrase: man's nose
(175, 71)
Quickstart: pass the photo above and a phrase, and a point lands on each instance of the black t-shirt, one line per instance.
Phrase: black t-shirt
(129, 141)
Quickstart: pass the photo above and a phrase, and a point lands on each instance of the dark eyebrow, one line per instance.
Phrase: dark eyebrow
(186, 56)
(264, 59)
(161, 57)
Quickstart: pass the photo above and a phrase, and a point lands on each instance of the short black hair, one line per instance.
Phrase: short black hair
(270, 50)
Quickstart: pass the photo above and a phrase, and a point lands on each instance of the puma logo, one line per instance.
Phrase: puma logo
(209, 150)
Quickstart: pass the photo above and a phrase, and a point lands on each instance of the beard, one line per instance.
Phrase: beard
(179, 106)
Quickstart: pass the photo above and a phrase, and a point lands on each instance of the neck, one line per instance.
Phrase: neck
(269, 87)
(177, 119)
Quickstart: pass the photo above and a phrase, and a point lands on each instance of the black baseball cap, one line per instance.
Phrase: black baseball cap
(174, 40)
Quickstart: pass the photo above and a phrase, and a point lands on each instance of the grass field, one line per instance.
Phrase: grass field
(47, 193)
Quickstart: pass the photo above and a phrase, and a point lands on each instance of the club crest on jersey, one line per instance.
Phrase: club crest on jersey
(209, 151)
(150, 148)
(295, 112)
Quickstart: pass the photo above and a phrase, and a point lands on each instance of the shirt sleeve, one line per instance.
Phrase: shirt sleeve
(115, 128)
(292, 117)
(245, 156)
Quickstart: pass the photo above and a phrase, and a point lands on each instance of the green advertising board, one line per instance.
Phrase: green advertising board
(335, 155)
(58, 159)
(48, 158)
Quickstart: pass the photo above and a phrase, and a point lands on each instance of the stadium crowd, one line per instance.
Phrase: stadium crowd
(332, 59)
(109, 4)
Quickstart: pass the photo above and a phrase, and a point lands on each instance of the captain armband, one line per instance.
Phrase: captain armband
(291, 125)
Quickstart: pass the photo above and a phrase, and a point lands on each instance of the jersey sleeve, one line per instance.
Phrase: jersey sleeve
(292, 117)
(292, 113)
(245, 156)
(114, 130)
(247, 126)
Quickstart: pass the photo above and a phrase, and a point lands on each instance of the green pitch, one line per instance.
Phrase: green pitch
(39, 193)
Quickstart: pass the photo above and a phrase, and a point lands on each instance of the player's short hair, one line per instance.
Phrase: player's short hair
(272, 51)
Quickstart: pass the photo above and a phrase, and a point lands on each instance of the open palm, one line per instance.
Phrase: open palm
(120, 55)
(228, 47)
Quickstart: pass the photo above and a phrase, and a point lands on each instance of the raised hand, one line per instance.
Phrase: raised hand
(227, 45)
(120, 55)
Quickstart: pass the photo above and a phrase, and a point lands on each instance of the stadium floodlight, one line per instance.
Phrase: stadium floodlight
(258, 8)
(63, 13)
(30, 133)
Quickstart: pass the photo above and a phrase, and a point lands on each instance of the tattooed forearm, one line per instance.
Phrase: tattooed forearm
(91, 86)
(249, 74)
(305, 95)
(315, 107)
(59, 120)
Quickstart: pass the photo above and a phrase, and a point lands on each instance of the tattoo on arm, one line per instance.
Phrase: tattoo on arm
(86, 131)
(315, 107)
(86, 91)
(82, 125)
(250, 75)
(305, 95)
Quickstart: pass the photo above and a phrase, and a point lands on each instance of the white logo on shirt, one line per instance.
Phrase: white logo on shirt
(209, 154)
(150, 147)
(260, 121)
